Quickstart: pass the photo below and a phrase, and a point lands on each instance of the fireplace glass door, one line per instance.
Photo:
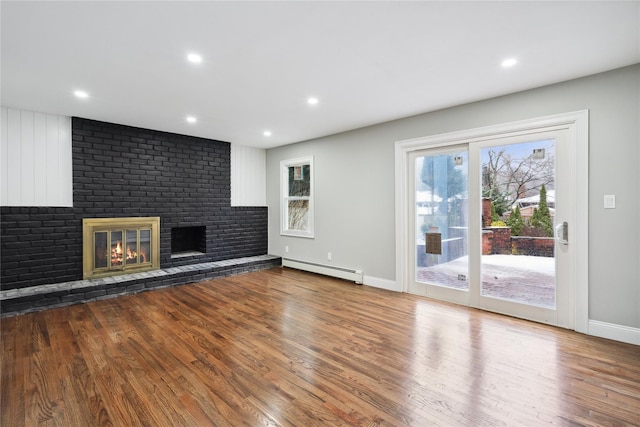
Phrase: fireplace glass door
(116, 245)
(111, 253)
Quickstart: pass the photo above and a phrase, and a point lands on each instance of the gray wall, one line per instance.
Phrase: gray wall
(354, 173)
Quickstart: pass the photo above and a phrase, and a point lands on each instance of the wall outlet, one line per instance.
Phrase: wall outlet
(329, 256)
(286, 249)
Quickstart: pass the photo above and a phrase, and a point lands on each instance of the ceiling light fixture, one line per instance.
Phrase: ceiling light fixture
(312, 101)
(267, 133)
(509, 62)
(195, 58)
(81, 94)
(191, 119)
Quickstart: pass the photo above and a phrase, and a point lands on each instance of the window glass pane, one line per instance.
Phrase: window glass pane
(297, 197)
(518, 245)
(100, 249)
(442, 222)
(300, 181)
(298, 214)
(116, 248)
(145, 246)
(132, 247)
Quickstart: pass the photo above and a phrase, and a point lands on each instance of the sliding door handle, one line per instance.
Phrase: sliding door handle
(562, 233)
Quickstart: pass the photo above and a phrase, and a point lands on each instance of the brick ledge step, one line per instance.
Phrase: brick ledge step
(36, 298)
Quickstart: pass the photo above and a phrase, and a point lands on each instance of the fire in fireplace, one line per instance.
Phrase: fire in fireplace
(134, 251)
(120, 245)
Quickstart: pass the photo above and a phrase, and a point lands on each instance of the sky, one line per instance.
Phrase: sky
(521, 150)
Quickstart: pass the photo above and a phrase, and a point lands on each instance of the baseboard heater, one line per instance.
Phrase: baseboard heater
(327, 270)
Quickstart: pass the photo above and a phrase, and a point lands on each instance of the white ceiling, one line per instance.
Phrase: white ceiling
(366, 62)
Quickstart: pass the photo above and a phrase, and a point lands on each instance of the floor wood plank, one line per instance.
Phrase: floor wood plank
(282, 347)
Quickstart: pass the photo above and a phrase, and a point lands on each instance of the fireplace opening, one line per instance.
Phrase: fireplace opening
(188, 241)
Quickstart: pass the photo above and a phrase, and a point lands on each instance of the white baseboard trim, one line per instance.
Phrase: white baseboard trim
(614, 332)
(376, 282)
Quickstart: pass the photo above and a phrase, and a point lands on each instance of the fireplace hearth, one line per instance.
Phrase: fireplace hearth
(113, 246)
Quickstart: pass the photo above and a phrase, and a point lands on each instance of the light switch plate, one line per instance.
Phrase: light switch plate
(609, 201)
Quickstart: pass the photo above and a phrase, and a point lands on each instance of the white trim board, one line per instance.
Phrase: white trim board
(614, 332)
(376, 282)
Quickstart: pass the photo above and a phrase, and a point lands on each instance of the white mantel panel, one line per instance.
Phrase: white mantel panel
(4, 158)
(248, 176)
(40, 155)
(65, 160)
(12, 173)
(36, 159)
(27, 170)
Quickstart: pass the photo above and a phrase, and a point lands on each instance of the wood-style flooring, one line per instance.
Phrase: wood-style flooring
(286, 348)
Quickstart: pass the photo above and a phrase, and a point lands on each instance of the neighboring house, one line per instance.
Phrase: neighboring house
(535, 200)
(527, 213)
(427, 203)
(528, 204)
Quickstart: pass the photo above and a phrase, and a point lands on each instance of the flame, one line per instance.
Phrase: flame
(116, 254)
(130, 255)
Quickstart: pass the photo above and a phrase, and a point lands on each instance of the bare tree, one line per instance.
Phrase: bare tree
(526, 177)
(506, 178)
(491, 172)
(298, 214)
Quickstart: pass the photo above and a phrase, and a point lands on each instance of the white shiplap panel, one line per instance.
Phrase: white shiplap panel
(14, 156)
(40, 158)
(65, 161)
(36, 159)
(52, 173)
(27, 170)
(248, 176)
(4, 158)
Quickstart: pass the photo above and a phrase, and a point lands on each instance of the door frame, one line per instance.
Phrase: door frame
(577, 123)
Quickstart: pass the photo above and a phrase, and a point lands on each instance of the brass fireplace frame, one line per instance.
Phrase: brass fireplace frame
(91, 226)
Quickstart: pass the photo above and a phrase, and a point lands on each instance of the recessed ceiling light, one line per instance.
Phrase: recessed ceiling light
(509, 62)
(195, 58)
(312, 101)
(191, 119)
(267, 133)
(81, 94)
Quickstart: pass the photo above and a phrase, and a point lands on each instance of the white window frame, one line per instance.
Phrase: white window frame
(285, 198)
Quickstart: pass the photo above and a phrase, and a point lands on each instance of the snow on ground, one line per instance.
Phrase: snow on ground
(539, 264)
(517, 265)
(519, 278)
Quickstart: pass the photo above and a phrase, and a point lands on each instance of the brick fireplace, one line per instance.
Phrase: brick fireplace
(124, 172)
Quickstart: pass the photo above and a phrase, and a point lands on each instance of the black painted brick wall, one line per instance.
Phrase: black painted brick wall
(122, 171)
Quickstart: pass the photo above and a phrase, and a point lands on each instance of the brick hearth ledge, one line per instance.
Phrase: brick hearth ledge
(35, 298)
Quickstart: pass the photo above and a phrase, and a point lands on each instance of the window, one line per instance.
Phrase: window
(297, 197)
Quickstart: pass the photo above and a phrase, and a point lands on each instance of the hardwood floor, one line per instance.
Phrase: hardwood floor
(286, 348)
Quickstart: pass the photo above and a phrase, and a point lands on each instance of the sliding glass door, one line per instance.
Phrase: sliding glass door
(490, 225)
